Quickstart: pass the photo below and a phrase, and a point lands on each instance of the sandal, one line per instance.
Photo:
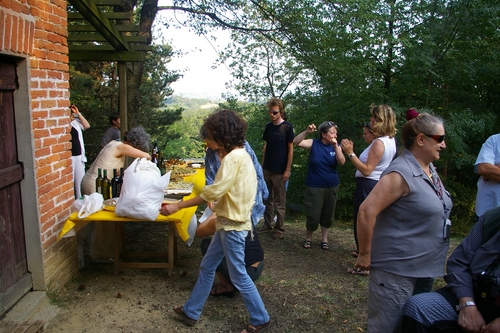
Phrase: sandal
(355, 253)
(227, 293)
(307, 244)
(358, 271)
(179, 310)
(325, 246)
(254, 329)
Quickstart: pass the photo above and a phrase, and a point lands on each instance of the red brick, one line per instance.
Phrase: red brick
(38, 93)
(40, 133)
(7, 32)
(5, 4)
(13, 40)
(38, 123)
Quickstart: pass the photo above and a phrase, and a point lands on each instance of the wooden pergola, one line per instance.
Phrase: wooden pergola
(97, 32)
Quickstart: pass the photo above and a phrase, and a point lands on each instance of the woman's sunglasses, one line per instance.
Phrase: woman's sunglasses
(438, 138)
(274, 112)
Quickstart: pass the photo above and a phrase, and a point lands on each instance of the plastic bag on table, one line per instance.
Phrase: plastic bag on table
(88, 205)
(142, 191)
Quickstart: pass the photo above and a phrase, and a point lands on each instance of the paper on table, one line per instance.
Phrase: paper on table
(206, 215)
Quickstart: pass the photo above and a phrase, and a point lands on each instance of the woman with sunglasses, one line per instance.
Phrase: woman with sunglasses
(403, 225)
(322, 182)
(373, 160)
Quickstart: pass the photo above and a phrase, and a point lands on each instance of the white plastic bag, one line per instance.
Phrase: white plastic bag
(142, 191)
(88, 205)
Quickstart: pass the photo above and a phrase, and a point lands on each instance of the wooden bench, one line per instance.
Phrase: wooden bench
(34, 326)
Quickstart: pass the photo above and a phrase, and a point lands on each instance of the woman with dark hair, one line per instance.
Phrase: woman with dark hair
(233, 189)
(135, 144)
(374, 159)
(322, 182)
(403, 225)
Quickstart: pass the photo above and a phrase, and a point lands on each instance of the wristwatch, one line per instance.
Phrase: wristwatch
(351, 155)
(463, 305)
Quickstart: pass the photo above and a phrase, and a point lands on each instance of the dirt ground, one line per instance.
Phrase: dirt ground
(303, 290)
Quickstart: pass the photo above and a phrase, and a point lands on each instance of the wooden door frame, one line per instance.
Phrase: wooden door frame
(31, 209)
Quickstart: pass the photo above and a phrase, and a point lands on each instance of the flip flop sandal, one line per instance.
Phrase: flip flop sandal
(255, 329)
(307, 244)
(179, 310)
(325, 246)
(227, 293)
(358, 271)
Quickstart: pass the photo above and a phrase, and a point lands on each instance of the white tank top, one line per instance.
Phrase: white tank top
(385, 160)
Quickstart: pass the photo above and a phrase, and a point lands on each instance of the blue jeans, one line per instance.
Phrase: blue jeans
(230, 244)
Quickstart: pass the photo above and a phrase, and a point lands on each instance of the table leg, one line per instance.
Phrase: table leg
(172, 247)
(118, 241)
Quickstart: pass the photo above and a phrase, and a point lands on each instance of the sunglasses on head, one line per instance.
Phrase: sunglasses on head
(274, 112)
(438, 138)
(367, 125)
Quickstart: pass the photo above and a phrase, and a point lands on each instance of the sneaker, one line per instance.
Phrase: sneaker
(265, 227)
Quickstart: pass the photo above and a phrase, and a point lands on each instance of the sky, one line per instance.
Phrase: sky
(199, 79)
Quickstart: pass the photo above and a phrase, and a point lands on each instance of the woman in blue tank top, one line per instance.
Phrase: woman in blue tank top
(322, 180)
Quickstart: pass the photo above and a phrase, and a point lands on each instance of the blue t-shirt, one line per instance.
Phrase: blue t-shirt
(322, 166)
(277, 138)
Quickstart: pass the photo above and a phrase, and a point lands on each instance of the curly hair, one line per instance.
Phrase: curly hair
(138, 138)
(385, 120)
(424, 123)
(226, 128)
(276, 102)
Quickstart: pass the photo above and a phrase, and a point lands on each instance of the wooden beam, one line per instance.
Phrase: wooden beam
(72, 16)
(89, 28)
(100, 39)
(96, 48)
(92, 14)
(126, 56)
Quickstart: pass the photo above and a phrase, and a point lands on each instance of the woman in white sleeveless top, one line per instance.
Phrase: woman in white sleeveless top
(374, 159)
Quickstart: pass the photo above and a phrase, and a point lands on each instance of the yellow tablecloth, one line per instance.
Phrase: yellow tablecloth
(181, 218)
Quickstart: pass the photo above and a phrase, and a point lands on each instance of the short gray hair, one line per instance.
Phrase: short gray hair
(138, 138)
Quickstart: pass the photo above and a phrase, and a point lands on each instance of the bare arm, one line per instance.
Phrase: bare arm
(389, 188)
(374, 155)
(124, 149)
(172, 208)
(489, 171)
(300, 141)
(286, 174)
(83, 121)
(263, 153)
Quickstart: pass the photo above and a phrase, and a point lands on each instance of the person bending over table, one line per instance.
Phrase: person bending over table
(135, 144)
(254, 258)
(234, 189)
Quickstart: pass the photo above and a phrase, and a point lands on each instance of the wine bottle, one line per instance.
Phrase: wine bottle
(106, 185)
(154, 154)
(114, 184)
(161, 164)
(98, 181)
(120, 182)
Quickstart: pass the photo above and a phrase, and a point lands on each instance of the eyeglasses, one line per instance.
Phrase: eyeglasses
(438, 138)
(274, 112)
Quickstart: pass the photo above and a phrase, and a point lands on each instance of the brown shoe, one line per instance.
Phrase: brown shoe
(179, 310)
(255, 329)
(265, 227)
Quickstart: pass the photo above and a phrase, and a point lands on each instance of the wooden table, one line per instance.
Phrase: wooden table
(177, 224)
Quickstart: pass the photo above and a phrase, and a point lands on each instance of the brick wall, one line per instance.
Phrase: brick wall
(37, 29)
